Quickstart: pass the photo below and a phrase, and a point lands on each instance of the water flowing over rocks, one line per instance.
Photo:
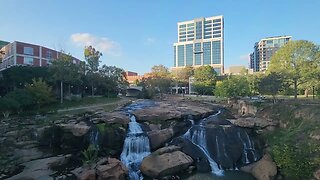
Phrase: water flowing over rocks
(165, 161)
(264, 169)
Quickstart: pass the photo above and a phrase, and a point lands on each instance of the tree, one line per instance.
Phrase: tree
(7, 106)
(114, 79)
(182, 75)
(159, 79)
(92, 57)
(271, 85)
(41, 92)
(204, 79)
(296, 62)
(64, 70)
(233, 87)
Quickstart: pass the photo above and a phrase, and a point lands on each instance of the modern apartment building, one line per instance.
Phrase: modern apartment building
(264, 49)
(200, 42)
(20, 53)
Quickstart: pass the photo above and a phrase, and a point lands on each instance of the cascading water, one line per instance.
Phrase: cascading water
(198, 138)
(248, 147)
(136, 147)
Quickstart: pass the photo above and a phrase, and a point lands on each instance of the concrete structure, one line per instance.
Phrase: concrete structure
(263, 51)
(235, 70)
(200, 42)
(25, 54)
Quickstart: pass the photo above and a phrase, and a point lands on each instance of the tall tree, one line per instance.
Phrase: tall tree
(160, 78)
(270, 85)
(204, 79)
(296, 62)
(233, 87)
(182, 75)
(41, 92)
(64, 70)
(92, 57)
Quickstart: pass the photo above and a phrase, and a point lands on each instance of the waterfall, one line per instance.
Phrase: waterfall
(248, 147)
(136, 147)
(94, 138)
(198, 138)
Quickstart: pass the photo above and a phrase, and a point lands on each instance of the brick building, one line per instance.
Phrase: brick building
(20, 53)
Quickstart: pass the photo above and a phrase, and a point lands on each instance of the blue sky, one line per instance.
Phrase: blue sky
(135, 35)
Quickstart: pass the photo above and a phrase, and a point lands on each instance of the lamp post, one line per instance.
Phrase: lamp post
(313, 92)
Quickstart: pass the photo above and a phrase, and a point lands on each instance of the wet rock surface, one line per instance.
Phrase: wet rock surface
(165, 161)
(264, 169)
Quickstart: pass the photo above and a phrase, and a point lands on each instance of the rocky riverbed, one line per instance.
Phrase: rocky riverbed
(191, 134)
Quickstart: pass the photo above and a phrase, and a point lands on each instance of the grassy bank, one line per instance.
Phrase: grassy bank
(296, 154)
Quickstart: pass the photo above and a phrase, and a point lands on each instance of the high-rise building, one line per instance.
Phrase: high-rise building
(200, 42)
(25, 54)
(263, 51)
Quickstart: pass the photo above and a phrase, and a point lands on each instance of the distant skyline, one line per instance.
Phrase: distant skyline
(135, 35)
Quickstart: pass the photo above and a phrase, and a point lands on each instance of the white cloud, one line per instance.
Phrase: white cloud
(245, 57)
(103, 44)
(150, 40)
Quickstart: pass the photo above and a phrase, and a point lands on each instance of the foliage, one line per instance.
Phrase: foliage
(233, 87)
(297, 62)
(204, 79)
(8, 105)
(293, 163)
(159, 71)
(41, 92)
(254, 81)
(90, 154)
(270, 84)
(23, 97)
(92, 57)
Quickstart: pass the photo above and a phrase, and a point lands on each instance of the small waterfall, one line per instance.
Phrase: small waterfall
(248, 147)
(94, 138)
(136, 147)
(198, 138)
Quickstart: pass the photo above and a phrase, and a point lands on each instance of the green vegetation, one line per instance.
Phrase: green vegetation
(234, 86)
(298, 63)
(204, 80)
(295, 153)
(90, 155)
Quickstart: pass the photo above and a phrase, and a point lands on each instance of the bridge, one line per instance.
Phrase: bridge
(133, 91)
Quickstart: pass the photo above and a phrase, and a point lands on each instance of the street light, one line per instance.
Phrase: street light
(313, 92)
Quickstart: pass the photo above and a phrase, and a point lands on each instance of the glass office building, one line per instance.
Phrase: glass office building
(200, 42)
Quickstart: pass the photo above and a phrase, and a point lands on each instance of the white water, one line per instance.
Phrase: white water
(136, 147)
(248, 147)
(198, 138)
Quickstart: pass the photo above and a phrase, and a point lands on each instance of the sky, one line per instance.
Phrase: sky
(137, 34)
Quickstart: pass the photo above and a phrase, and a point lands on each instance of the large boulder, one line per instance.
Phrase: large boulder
(165, 161)
(105, 169)
(118, 117)
(77, 129)
(157, 114)
(187, 147)
(253, 122)
(41, 168)
(264, 169)
(159, 137)
(111, 169)
(85, 173)
(316, 174)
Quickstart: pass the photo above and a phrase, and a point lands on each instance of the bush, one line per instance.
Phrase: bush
(24, 98)
(8, 106)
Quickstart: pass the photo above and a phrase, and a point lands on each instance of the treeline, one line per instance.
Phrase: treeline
(25, 88)
(294, 69)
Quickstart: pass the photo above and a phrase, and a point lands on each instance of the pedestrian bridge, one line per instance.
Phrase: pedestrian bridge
(133, 91)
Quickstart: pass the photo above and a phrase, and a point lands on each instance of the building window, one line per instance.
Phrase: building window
(217, 70)
(197, 48)
(28, 60)
(174, 56)
(49, 55)
(189, 54)
(216, 52)
(181, 55)
(216, 20)
(28, 50)
(206, 53)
